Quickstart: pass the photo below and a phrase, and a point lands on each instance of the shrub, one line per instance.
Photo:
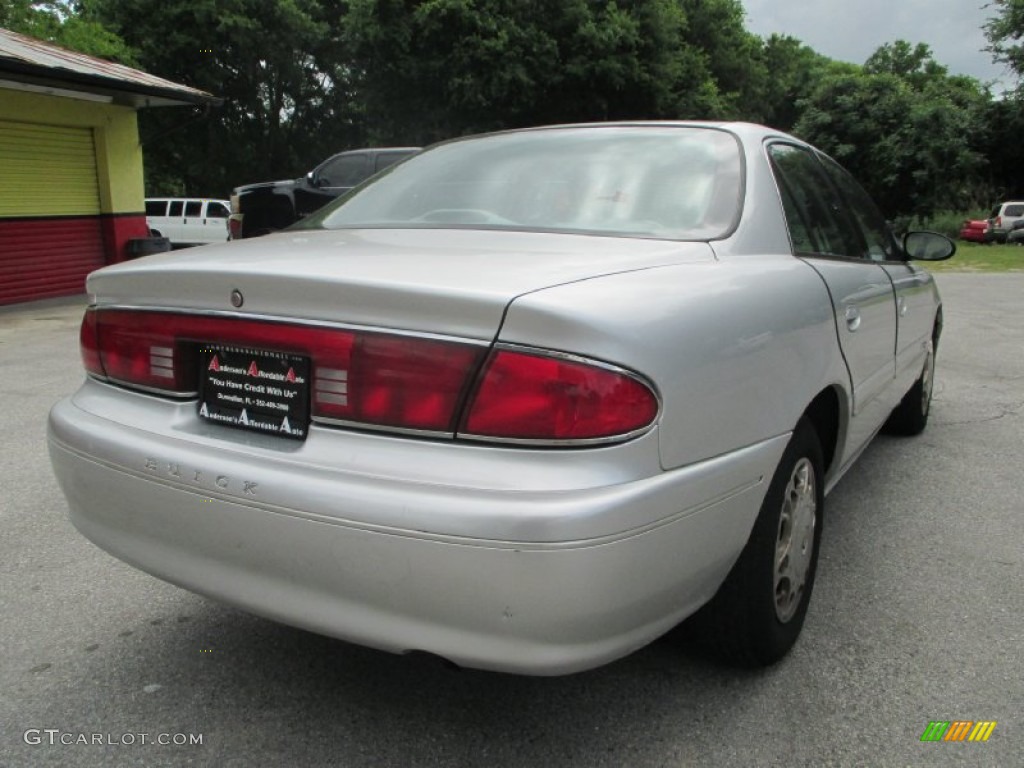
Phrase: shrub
(947, 223)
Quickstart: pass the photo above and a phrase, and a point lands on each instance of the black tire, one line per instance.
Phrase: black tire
(756, 616)
(910, 417)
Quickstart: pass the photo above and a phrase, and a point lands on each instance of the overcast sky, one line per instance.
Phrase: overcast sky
(851, 31)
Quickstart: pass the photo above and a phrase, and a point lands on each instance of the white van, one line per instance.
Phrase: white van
(188, 220)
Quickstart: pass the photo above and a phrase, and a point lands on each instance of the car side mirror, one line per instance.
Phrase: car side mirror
(312, 180)
(928, 246)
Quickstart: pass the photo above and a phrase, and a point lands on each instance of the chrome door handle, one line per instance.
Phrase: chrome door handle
(852, 318)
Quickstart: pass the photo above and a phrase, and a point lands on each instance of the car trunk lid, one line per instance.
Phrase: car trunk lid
(448, 282)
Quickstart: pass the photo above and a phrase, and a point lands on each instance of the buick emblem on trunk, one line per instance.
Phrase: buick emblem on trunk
(237, 298)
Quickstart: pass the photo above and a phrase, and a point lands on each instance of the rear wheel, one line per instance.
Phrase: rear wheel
(758, 612)
(910, 417)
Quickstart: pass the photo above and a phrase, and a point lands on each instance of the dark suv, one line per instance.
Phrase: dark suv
(257, 209)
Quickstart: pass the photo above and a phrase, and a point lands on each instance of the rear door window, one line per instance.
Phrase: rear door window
(881, 245)
(176, 207)
(216, 210)
(194, 209)
(812, 205)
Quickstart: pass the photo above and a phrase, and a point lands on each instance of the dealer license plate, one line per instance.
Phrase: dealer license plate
(255, 389)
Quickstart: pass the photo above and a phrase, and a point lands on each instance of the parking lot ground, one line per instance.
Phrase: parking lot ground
(916, 617)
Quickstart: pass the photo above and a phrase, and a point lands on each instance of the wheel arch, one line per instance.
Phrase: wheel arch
(826, 415)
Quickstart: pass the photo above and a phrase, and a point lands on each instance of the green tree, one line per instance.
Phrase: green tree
(440, 68)
(1005, 32)
(715, 30)
(1004, 121)
(58, 22)
(914, 64)
(1002, 125)
(911, 134)
(278, 66)
(792, 72)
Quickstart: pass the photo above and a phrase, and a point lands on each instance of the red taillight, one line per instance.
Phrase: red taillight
(396, 381)
(373, 378)
(144, 349)
(535, 397)
(384, 380)
(89, 344)
(235, 227)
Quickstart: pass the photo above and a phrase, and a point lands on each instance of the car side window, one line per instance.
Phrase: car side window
(799, 234)
(216, 211)
(881, 245)
(176, 208)
(156, 207)
(343, 171)
(811, 204)
(387, 159)
(194, 208)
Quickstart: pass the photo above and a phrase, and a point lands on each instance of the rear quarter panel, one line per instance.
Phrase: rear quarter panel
(736, 349)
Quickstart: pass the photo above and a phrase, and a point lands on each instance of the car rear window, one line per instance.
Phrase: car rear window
(676, 182)
(1014, 210)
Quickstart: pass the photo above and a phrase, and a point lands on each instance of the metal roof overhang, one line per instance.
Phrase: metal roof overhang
(136, 95)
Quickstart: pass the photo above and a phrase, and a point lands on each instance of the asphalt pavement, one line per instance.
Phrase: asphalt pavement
(916, 617)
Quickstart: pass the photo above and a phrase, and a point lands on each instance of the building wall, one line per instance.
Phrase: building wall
(46, 229)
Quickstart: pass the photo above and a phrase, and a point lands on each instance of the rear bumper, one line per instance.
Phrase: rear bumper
(518, 576)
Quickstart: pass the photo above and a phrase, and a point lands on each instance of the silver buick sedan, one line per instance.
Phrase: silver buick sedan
(526, 401)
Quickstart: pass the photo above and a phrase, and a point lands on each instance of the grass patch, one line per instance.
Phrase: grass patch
(974, 257)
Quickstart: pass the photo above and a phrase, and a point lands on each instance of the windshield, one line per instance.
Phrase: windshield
(665, 182)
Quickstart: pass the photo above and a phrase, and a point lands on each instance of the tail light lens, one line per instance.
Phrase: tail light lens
(547, 398)
(372, 378)
(90, 345)
(141, 349)
(384, 380)
(407, 382)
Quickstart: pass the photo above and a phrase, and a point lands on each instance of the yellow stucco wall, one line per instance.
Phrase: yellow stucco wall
(115, 132)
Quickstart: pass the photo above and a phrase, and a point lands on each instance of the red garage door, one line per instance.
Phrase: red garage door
(50, 231)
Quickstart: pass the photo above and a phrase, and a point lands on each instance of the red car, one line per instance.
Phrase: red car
(976, 230)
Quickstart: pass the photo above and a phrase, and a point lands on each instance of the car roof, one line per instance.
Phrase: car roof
(747, 133)
(186, 199)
